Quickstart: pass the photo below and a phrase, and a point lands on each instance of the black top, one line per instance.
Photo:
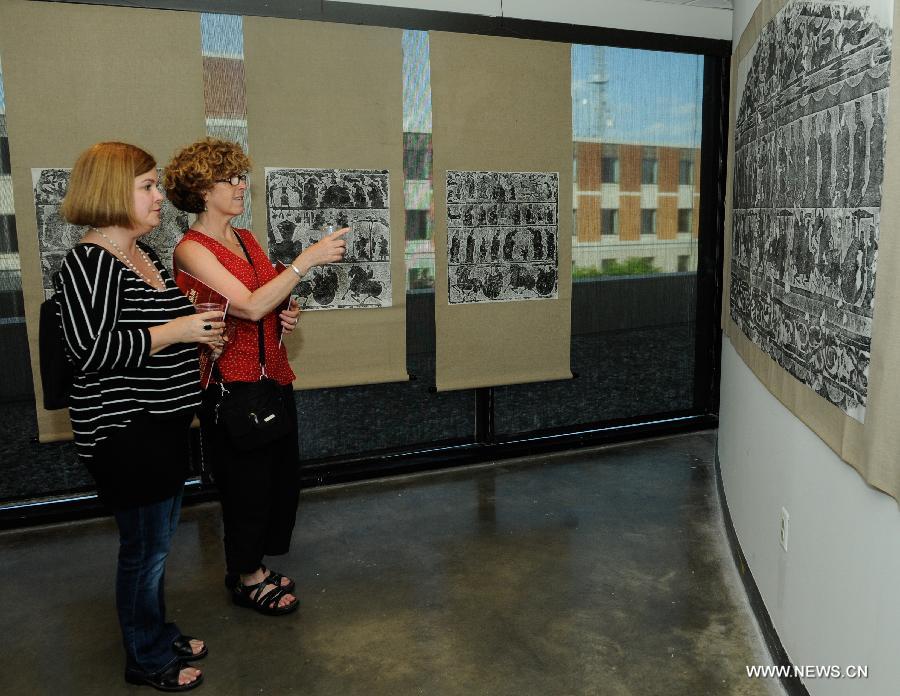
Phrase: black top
(106, 311)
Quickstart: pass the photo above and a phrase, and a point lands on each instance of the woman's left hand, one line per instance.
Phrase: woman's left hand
(290, 317)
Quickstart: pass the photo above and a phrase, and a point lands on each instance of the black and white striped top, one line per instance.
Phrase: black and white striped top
(106, 312)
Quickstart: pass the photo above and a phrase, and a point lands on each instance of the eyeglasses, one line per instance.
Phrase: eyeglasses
(234, 181)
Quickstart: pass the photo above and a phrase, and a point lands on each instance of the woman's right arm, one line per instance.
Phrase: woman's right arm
(188, 329)
(201, 263)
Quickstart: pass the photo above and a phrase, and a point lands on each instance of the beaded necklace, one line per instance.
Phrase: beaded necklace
(130, 264)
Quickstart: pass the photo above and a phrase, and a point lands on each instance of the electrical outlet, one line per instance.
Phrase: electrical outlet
(785, 522)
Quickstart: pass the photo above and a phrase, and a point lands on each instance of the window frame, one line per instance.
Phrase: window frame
(486, 445)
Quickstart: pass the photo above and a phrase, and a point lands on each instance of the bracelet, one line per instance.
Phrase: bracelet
(296, 270)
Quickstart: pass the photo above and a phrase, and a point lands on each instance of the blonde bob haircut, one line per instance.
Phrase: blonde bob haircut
(101, 186)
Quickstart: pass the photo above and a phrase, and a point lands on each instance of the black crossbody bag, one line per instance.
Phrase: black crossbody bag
(253, 413)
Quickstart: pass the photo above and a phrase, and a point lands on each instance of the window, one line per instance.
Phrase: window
(609, 170)
(417, 224)
(609, 221)
(417, 156)
(686, 171)
(648, 221)
(608, 265)
(420, 279)
(685, 217)
(683, 261)
(649, 170)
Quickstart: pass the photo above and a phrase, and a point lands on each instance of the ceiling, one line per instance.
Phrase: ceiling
(718, 4)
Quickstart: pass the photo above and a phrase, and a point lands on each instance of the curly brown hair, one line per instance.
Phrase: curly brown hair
(194, 170)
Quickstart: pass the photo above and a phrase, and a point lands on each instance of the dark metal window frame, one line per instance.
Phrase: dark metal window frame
(486, 444)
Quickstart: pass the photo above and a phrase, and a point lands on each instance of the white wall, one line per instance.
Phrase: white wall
(639, 15)
(833, 596)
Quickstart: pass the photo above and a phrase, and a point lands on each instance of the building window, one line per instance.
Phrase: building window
(686, 172)
(683, 261)
(649, 170)
(648, 221)
(417, 156)
(609, 170)
(685, 217)
(608, 265)
(417, 224)
(420, 279)
(609, 221)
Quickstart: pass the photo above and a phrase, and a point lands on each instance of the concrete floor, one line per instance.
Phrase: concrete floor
(596, 572)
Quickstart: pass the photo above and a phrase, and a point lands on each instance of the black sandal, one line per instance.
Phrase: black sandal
(167, 680)
(275, 578)
(263, 602)
(232, 580)
(182, 647)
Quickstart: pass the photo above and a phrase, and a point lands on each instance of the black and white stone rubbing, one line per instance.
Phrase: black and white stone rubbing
(56, 236)
(808, 174)
(502, 236)
(301, 202)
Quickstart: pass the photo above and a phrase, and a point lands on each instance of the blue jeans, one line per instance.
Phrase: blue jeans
(145, 535)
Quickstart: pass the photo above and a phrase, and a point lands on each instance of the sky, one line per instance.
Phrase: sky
(651, 97)
(222, 35)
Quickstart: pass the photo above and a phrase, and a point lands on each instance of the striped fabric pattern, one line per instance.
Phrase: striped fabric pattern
(107, 311)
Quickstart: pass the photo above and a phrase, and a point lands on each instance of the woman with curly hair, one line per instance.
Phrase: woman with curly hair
(260, 488)
(128, 329)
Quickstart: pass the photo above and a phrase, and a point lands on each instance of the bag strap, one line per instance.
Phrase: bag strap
(259, 324)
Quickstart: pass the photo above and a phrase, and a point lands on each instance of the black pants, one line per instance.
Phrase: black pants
(259, 489)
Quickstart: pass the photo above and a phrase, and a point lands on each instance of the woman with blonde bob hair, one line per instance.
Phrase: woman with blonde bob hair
(259, 487)
(131, 336)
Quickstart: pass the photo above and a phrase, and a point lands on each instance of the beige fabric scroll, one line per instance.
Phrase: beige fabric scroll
(872, 447)
(501, 105)
(75, 75)
(325, 95)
